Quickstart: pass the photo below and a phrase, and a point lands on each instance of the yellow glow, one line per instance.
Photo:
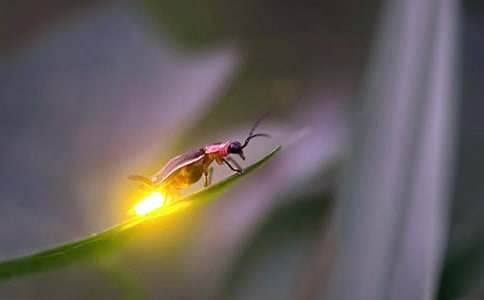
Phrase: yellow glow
(152, 202)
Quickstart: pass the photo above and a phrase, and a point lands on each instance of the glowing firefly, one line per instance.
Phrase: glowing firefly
(153, 201)
(186, 169)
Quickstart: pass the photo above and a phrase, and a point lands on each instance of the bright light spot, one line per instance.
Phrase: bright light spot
(152, 202)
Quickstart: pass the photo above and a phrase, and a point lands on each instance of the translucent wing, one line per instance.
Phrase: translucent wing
(178, 162)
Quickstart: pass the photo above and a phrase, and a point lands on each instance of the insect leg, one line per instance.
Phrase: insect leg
(238, 171)
(234, 162)
(207, 176)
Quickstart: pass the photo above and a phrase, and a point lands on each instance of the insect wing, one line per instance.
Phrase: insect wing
(178, 162)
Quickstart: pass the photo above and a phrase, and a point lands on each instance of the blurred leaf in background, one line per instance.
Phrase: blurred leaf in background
(463, 273)
(393, 208)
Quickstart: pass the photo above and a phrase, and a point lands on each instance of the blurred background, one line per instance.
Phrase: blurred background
(376, 193)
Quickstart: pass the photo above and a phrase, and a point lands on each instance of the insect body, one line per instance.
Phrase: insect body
(187, 168)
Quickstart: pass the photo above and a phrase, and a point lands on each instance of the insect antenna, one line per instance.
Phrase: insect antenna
(251, 133)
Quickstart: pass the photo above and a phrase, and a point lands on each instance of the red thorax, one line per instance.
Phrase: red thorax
(220, 149)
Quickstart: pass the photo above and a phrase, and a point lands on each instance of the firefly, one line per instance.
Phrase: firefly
(187, 168)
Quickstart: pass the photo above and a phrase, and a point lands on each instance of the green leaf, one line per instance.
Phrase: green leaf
(115, 236)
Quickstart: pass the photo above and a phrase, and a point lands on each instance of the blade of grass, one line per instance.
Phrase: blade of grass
(115, 236)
